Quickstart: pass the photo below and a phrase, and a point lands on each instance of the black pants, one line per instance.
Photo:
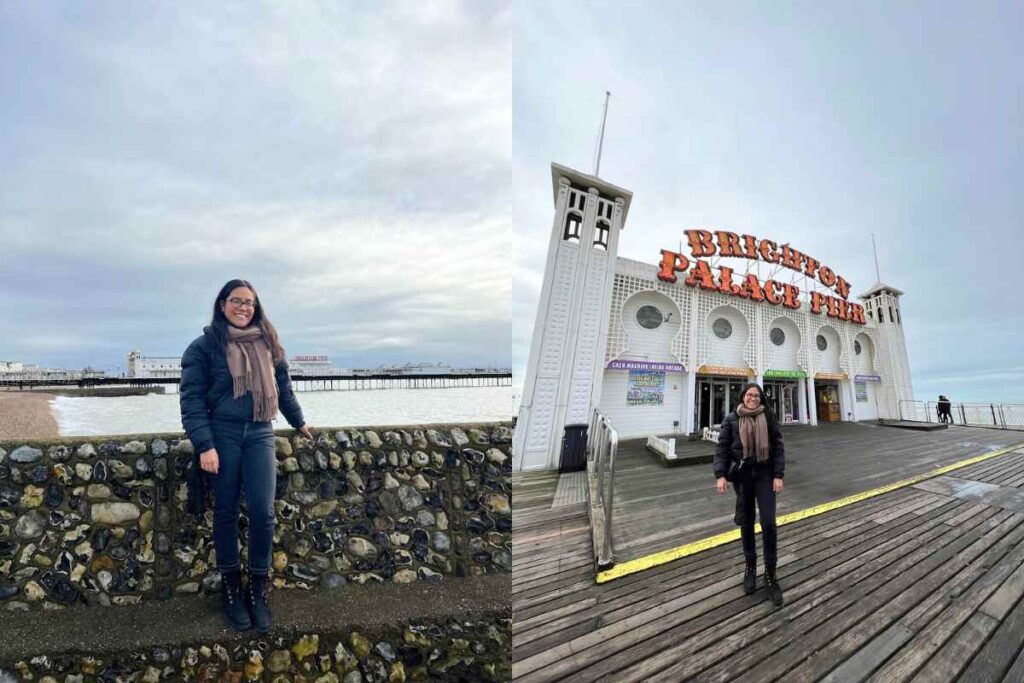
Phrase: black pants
(757, 485)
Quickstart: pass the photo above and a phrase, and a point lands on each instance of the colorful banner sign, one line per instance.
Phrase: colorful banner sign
(784, 374)
(645, 388)
(724, 370)
(830, 375)
(644, 365)
(867, 378)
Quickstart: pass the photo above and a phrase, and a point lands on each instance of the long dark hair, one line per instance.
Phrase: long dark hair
(768, 413)
(219, 323)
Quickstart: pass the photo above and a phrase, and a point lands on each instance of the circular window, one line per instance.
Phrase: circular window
(856, 347)
(822, 344)
(722, 328)
(777, 336)
(649, 317)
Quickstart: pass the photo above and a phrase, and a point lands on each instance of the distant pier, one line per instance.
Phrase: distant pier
(301, 382)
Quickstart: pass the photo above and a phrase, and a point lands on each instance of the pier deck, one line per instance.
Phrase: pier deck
(658, 508)
(925, 581)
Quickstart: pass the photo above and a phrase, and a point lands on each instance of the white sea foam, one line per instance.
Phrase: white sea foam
(90, 416)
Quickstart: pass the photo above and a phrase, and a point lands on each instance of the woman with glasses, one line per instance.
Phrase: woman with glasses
(234, 379)
(750, 455)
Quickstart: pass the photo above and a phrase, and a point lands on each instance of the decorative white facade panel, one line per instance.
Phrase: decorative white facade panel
(727, 338)
(592, 314)
(784, 355)
(632, 277)
(827, 360)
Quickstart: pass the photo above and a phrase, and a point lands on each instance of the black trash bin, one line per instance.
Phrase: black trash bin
(574, 449)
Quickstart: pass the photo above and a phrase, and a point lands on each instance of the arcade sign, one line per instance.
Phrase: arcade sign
(645, 365)
(704, 243)
(830, 375)
(725, 370)
(785, 374)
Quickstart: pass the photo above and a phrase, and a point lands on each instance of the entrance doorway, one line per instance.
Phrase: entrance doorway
(826, 396)
(781, 397)
(716, 398)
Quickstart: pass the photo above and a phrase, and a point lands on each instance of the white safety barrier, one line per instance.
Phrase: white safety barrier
(664, 447)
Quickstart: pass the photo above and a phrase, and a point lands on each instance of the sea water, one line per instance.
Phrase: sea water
(91, 416)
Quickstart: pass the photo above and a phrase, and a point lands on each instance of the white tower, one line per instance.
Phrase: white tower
(566, 363)
(133, 364)
(882, 305)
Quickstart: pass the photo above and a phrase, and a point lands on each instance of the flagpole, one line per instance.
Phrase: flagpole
(878, 278)
(600, 142)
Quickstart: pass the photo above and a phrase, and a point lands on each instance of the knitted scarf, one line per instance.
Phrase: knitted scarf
(252, 370)
(753, 432)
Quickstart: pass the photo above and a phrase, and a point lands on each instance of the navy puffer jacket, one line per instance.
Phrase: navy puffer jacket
(731, 448)
(206, 391)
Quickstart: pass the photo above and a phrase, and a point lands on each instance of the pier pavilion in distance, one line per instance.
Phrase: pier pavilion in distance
(664, 348)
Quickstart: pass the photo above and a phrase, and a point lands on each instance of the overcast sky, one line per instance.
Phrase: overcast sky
(348, 158)
(811, 123)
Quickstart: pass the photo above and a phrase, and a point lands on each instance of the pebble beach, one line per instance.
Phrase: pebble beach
(26, 415)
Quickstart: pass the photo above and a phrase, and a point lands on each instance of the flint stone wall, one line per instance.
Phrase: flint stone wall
(102, 520)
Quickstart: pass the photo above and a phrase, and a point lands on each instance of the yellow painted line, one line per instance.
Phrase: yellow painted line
(649, 561)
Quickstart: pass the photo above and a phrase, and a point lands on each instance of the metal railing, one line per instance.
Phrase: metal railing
(602, 444)
(996, 415)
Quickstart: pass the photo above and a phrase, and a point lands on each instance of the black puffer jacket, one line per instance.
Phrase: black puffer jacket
(206, 390)
(730, 447)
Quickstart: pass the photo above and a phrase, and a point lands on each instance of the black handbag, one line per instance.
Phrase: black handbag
(732, 474)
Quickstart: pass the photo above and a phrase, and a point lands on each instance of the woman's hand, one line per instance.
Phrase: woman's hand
(721, 485)
(304, 430)
(777, 485)
(209, 462)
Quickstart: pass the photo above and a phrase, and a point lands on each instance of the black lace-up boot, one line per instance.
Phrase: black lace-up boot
(750, 578)
(772, 584)
(259, 609)
(232, 603)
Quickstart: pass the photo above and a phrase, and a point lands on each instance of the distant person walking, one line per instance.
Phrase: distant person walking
(945, 415)
(234, 378)
(750, 454)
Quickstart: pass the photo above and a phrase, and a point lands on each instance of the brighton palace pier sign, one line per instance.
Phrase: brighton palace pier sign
(704, 243)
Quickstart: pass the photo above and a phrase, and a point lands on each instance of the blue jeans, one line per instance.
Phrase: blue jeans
(757, 486)
(247, 458)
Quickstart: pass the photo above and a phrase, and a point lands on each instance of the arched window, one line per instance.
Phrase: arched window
(601, 232)
(573, 227)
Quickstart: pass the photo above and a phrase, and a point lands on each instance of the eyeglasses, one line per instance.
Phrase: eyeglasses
(242, 303)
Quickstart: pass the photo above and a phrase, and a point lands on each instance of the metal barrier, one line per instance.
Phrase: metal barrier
(602, 444)
(998, 415)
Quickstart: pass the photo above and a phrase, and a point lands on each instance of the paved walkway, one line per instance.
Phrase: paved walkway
(922, 583)
(112, 632)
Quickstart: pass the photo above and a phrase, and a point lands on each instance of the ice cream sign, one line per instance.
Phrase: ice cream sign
(705, 244)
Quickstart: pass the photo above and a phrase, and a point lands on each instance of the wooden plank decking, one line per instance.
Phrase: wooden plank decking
(923, 583)
(657, 508)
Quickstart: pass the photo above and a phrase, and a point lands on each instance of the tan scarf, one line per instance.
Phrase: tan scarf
(252, 370)
(753, 432)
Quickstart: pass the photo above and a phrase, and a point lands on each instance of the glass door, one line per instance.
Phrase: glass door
(719, 402)
(703, 404)
(771, 392)
(735, 395)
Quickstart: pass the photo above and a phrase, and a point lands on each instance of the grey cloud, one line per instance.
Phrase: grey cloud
(777, 122)
(347, 158)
